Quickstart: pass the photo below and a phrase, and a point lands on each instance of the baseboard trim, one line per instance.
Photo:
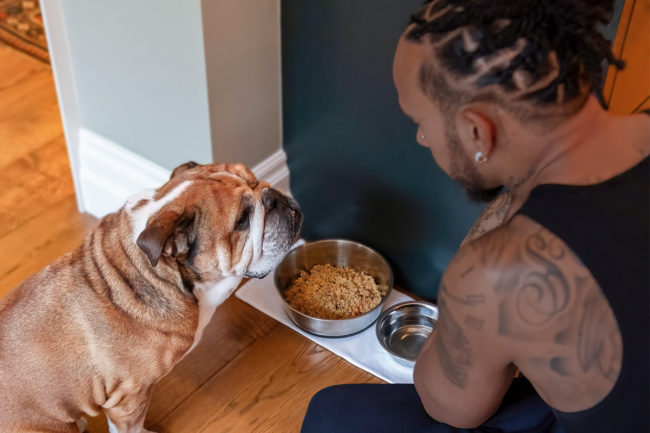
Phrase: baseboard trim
(274, 170)
(110, 173)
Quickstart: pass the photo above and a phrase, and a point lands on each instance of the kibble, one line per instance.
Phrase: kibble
(330, 292)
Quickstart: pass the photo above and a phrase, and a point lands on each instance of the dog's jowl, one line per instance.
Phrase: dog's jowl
(97, 328)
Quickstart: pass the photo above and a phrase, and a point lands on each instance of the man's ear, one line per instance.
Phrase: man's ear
(477, 131)
(183, 167)
(167, 233)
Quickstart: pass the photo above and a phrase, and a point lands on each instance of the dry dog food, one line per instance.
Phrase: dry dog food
(330, 292)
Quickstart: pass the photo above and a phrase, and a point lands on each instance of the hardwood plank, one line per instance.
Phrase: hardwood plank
(269, 384)
(280, 404)
(234, 327)
(255, 366)
(54, 232)
(33, 183)
(29, 116)
(16, 66)
(291, 411)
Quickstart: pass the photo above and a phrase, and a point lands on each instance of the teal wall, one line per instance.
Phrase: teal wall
(356, 169)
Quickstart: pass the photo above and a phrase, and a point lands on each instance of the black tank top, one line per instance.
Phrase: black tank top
(607, 227)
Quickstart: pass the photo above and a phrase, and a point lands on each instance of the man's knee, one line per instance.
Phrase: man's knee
(326, 399)
(316, 418)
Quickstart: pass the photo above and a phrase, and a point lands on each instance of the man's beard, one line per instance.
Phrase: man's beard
(465, 174)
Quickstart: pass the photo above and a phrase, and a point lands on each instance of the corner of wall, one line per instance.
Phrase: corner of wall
(110, 173)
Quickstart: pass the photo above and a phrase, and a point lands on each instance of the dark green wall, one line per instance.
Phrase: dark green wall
(356, 169)
(355, 166)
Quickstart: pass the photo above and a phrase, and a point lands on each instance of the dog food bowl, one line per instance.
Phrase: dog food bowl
(336, 252)
(403, 328)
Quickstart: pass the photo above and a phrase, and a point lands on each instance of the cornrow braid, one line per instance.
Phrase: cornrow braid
(547, 37)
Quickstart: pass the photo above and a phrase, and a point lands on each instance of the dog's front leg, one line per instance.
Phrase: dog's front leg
(129, 414)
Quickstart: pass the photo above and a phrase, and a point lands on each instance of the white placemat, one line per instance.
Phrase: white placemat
(362, 349)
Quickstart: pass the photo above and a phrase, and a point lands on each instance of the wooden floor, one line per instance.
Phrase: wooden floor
(248, 374)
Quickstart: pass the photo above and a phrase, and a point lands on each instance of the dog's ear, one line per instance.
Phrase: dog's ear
(168, 233)
(183, 167)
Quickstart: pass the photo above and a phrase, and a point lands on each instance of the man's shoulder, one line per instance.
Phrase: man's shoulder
(501, 248)
(498, 250)
(520, 291)
(526, 277)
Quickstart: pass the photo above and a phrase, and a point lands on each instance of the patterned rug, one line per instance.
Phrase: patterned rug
(21, 26)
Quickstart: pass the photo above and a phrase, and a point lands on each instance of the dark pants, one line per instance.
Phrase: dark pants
(396, 408)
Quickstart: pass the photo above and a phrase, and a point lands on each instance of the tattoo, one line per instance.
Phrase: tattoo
(560, 366)
(551, 283)
(597, 345)
(491, 217)
(467, 271)
(563, 337)
(490, 248)
(474, 322)
(452, 347)
(536, 296)
(474, 299)
(549, 295)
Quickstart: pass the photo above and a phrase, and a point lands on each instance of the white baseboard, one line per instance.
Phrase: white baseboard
(274, 170)
(109, 173)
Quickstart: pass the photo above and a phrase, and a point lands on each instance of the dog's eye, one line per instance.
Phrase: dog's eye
(244, 220)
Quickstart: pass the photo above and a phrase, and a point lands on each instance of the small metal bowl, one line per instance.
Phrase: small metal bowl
(403, 328)
(336, 252)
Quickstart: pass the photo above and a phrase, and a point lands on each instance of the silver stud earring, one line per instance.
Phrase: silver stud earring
(422, 137)
(480, 158)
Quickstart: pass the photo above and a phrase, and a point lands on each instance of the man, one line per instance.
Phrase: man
(553, 278)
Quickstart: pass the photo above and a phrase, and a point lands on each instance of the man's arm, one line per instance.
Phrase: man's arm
(461, 373)
(517, 296)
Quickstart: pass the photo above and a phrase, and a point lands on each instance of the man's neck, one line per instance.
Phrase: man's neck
(572, 153)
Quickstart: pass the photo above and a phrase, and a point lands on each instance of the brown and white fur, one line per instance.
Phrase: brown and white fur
(96, 329)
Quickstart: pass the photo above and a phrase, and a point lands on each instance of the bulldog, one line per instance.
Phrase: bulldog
(96, 329)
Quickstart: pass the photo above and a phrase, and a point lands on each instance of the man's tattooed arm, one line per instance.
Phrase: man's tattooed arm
(460, 378)
(453, 348)
(518, 296)
(554, 318)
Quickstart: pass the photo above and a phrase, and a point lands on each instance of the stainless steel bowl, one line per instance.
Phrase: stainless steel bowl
(403, 328)
(336, 252)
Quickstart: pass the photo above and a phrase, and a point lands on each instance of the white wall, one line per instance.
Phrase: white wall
(145, 85)
(139, 69)
(242, 51)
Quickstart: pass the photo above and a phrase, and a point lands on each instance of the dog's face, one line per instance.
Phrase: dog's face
(214, 221)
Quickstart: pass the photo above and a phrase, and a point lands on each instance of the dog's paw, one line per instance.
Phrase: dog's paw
(82, 423)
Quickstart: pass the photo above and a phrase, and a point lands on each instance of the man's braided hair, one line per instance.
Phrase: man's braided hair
(556, 50)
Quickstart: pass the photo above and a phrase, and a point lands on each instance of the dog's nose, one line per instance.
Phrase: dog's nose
(272, 198)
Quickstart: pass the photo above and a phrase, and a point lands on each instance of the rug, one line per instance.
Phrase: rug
(21, 26)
